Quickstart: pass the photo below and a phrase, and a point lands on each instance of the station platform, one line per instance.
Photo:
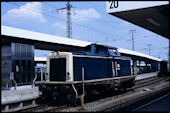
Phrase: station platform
(22, 93)
(146, 75)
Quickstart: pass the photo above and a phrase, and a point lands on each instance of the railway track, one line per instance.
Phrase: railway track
(56, 108)
(148, 81)
(137, 93)
(138, 84)
(132, 103)
(44, 108)
(33, 109)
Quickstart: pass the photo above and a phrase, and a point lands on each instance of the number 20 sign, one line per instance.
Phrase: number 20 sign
(113, 4)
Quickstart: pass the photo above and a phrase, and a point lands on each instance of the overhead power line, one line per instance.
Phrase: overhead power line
(66, 20)
(49, 5)
(103, 20)
(69, 26)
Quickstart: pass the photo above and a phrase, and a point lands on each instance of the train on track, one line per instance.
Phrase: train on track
(163, 68)
(94, 69)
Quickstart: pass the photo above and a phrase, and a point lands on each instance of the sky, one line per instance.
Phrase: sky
(90, 22)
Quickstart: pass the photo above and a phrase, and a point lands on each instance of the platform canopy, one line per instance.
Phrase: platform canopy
(151, 15)
(39, 40)
(137, 55)
(52, 42)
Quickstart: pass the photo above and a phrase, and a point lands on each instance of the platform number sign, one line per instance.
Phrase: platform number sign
(113, 4)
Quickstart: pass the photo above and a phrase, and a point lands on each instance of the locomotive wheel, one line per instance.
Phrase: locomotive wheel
(48, 96)
(71, 97)
(123, 89)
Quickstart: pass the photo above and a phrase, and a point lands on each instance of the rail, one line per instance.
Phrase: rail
(44, 108)
(121, 106)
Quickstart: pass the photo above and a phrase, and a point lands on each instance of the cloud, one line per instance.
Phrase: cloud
(59, 25)
(83, 15)
(89, 14)
(31, 10)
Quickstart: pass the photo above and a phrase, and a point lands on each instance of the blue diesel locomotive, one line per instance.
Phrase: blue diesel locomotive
(97, 68)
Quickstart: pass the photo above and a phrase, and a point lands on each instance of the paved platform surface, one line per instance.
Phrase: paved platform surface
(146, 75)
(22, 93)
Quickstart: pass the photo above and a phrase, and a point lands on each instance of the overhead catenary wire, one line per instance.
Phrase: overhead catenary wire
(105, 22)
(84, 26)
(66, 20)
(49, 5)
(45, 12)
(102, 20)
(21, 3)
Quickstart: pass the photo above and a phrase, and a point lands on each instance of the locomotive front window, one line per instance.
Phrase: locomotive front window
(58, 69)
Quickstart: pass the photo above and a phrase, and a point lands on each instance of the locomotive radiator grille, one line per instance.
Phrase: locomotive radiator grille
(58, 69)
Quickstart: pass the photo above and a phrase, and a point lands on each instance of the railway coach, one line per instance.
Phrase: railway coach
(94, 69)
(163, 68)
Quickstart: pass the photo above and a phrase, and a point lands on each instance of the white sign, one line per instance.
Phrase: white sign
(119, 6)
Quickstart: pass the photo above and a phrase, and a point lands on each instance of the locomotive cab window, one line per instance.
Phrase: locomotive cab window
(101, 51)
(114, 52)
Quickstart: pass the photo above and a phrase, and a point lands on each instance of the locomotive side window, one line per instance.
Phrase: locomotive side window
(114, 52)
(101, 51)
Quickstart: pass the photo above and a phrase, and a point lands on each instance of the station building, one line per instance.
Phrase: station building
(19, 59)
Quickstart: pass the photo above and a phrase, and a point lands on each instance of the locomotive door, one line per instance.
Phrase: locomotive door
(113, 68)
(114, 64)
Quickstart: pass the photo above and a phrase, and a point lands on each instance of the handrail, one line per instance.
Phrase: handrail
(11, 78)
(82, 96)
(34, 78)
(41, 75)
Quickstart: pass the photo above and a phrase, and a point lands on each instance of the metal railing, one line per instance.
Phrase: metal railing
(39, 71)
(11, 79)
(33, 83)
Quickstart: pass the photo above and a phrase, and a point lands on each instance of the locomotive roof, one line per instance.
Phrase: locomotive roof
(164, 61)
(102, 46)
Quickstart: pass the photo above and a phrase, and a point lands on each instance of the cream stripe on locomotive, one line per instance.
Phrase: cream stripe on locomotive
(88, 81)
(93, 56)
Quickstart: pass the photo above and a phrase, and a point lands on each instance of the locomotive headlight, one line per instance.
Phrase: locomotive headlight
(54, 54)
(68, 76)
